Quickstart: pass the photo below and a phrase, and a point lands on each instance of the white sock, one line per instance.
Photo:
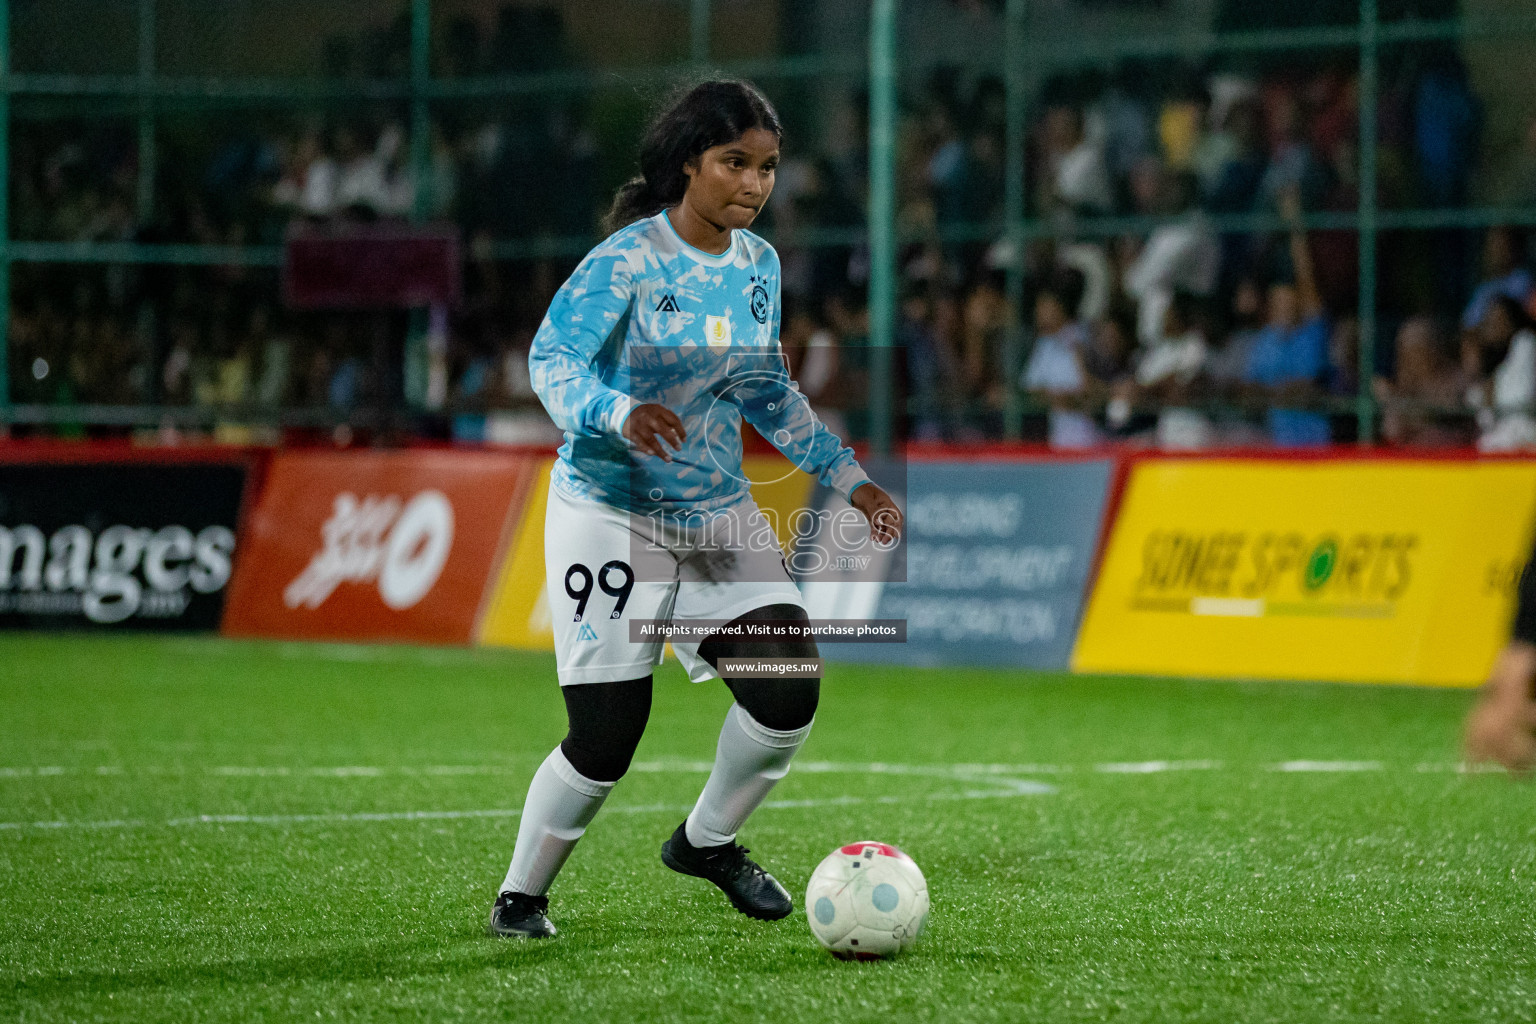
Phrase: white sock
(561, 804)
(748, 761)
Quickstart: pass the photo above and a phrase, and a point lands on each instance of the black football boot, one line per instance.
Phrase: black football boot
(750, 889)
(517, 915)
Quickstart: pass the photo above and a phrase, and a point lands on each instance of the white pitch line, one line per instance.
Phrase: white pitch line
(1011, 769)
(1155, 767)
(305, 819)
(948, 771)
(1461, 768)
(264, 771)
(649, 767)
(1003, 789)
(110, 823)
(945, 771)
(1328, 766)
(999, 777)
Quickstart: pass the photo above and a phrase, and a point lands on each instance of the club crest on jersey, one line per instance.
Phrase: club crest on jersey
(759, 303)
(717, 331)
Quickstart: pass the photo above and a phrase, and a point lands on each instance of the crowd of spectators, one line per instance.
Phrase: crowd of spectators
(1153, 312)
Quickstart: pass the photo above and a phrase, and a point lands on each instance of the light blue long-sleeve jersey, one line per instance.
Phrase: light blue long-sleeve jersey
(646, 318)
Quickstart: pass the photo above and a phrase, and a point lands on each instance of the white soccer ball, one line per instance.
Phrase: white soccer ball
(867, 901)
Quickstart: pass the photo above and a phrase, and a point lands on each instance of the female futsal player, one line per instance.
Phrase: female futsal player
(652, 352)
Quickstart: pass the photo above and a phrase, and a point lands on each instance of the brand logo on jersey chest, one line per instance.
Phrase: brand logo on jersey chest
(668, 303)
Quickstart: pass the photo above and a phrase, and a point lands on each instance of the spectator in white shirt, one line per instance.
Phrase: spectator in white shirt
(362, 185)
(1076, 176)
(1506, 400)
(308, 183)
(1181, 254)
(1168, 370)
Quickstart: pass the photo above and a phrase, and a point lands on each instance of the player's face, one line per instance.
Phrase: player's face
(729, 184)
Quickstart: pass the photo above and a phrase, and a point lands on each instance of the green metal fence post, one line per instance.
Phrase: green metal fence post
(5, 219)
(145, 200)
(1013, 212)
(882, 220)
(421, 112)
(698, 31)
(416, 370)
(1365, 402)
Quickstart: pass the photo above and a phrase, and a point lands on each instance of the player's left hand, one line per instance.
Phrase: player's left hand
(885, 519)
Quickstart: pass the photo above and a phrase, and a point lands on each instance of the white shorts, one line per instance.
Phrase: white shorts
(671, 581)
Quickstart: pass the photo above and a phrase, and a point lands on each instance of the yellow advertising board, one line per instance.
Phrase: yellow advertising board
(1363, 571)
(517, 614)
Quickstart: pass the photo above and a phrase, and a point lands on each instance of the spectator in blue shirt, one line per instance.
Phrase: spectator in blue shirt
(1290, 353)
(1503, 275)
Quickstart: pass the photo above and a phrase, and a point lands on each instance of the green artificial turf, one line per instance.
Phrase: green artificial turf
(199, 829)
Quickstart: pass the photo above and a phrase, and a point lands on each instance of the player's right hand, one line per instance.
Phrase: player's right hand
(1502, 725)
(651, 424)
(1502, 733)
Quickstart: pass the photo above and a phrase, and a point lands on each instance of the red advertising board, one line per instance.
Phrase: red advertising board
(394, 546)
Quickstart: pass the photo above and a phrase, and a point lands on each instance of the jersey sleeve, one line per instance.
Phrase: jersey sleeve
(773, 403)
(563, 362)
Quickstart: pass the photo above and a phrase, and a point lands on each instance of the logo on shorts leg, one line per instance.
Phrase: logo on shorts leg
(586, 632)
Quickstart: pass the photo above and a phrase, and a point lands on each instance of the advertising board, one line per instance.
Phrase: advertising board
(375, 545)
(139, 544)
(997, 559)
(1350, 570)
